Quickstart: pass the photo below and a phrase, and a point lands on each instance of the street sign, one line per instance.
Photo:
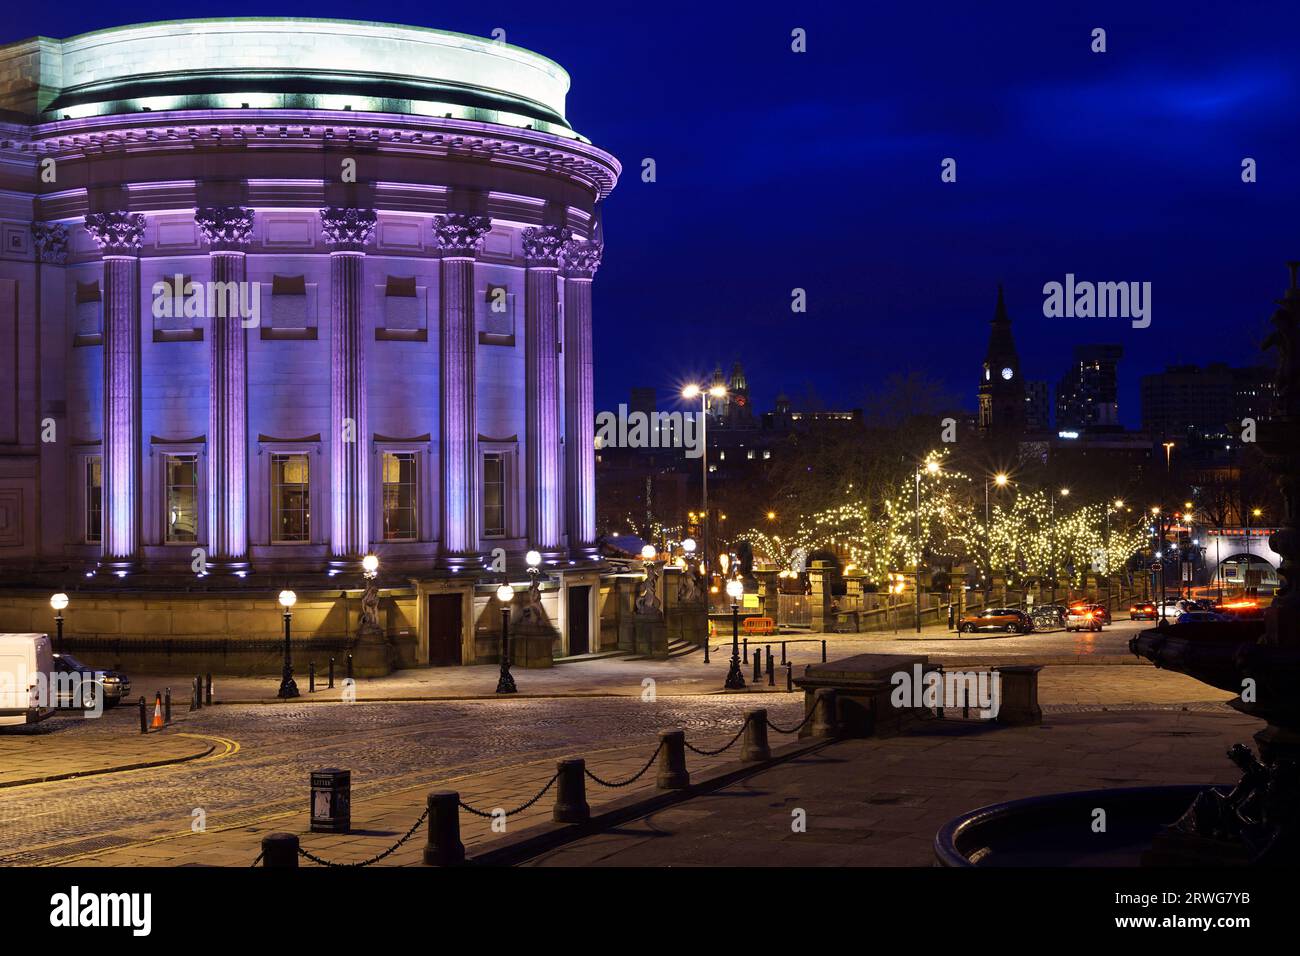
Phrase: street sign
(1156, 566)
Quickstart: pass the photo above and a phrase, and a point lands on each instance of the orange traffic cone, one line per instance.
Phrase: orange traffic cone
(157, 712)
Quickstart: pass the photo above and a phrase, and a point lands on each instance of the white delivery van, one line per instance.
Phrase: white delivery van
(26, 664)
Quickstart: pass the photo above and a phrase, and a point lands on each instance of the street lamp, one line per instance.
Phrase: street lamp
(1245, 578)
(735, 679)
(58, 602)
(506, 594)
(1051, 538)
(1000, 479)
(370, 565)
(690, 393)
(288, 688)
(932, 467)
(1169, 452)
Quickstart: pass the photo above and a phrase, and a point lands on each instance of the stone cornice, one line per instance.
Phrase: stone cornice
(542, 245)
(51, 241)
(449, 138)
(347, 230)
(460, 234)
(225, 228)
(116, 233)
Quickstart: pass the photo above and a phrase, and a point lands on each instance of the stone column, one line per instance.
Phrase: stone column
(50, 240)
(460, 237)
(226, 230)
(581, 260)
(542, 388)
(346, 233)
(119, 235)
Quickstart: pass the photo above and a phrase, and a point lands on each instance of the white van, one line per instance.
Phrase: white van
(26, 664)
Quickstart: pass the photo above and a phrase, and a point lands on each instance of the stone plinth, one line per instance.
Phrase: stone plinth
(863, 686)
(374, 655)
(532, 645)
(647, 636)
(1019, 703)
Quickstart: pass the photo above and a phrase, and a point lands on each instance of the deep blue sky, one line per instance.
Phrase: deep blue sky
(821, 170)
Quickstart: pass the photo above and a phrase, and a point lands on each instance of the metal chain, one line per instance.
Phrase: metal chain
(714, 753)
(517, 810)
(799, 726)
(374, 859)
(630, 780)
(258, 860)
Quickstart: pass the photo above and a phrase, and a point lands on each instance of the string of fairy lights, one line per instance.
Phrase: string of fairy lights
(1025, 538)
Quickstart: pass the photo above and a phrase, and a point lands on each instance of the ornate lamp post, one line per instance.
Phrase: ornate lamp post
(735, 678)
(506, 594)
(58, 602)
(288, 688)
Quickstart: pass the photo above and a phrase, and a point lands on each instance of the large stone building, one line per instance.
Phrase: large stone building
(276, 294)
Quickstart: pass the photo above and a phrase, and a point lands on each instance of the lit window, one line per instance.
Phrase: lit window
(94, 499)
(290, 498)
(182, 519)
(494, 495)
(400, 513)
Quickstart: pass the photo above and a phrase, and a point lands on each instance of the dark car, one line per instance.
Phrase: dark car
(113, 685)
(1009, 619)
(1142, 611)
(1047, 616)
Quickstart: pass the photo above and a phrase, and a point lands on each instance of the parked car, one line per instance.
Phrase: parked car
(1082, 618)
(1009, 619)
(1196, 617)
(1047, 616)
(1143, 611)
(114, 685)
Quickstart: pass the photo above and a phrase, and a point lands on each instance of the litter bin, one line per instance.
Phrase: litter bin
(331, 800)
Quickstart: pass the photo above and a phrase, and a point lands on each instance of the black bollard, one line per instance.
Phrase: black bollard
(311, 677)
(194, 696)
(672, 761)
(144, 726)
(938, 709)
(824, 722)
(167, 706)
(755, 746)
(209, 688)
(789, 676)
(758, 666)
(706, 647)
(444, 847)
(771, 669)
(571, 793)
(783, 658)
(331, 673)
(349, 667)
(198, 689)
(280, 850)
(744, 641)
(823, 650)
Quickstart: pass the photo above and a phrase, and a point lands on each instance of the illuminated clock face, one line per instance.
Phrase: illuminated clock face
(1007, 373)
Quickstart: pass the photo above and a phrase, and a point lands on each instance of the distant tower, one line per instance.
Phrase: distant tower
(717, 407)
(740, 413)
(1001, 392)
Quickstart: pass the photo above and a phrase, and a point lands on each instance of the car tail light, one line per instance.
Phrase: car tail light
(1088, 615)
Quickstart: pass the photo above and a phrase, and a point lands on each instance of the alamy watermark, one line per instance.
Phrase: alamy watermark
(1100, 300)
(638, 429)
(182, 298)
(979, 690)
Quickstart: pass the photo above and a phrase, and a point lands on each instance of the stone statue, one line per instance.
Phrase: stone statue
(370, 607)
(690, 589)
(647, 600)
(533, 613)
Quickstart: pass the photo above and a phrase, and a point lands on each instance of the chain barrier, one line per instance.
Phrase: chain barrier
(257, 861)
(797, 727)
(517, 810)
(713, 753)
(374, 859)
(630, 780)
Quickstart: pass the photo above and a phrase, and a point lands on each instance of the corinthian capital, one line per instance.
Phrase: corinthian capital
(581, 257)
(225, 228)
(542, 246)
(347, 230)
(460, 234)
(51, 240)
(116, 233)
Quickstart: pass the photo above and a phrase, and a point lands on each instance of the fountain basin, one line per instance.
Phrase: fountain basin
(1056, 829)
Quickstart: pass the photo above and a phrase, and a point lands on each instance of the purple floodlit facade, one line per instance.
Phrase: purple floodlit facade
(265, 313)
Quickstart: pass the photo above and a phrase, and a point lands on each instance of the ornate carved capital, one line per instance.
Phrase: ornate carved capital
(581, 258)
(116, 233)
(542, 246)
(460, 234)
(225, 228)
(347, 230)
(51, 240)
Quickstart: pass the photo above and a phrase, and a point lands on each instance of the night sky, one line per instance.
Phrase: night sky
(821, 170)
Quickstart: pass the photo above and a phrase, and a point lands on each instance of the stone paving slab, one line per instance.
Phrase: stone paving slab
(37, 757)
(879, 802)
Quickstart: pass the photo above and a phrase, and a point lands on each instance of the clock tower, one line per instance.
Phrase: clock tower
(1001, 392)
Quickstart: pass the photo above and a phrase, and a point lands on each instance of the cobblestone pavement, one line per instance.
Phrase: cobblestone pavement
(388, 747)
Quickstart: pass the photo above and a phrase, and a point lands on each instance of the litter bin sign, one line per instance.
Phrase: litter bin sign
(331, 800)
